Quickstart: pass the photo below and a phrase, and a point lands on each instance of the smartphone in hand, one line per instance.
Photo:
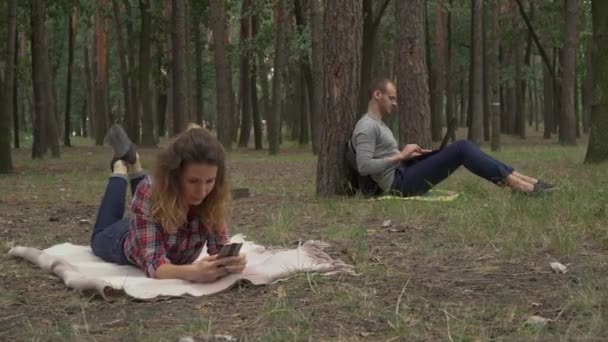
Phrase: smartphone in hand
(231, 249)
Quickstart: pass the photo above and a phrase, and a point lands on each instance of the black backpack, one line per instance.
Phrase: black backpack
(365, 184)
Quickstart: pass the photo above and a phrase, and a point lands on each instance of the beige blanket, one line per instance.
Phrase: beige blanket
(79, 269)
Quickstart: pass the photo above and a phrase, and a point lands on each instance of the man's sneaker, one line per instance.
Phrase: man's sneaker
(545, 186)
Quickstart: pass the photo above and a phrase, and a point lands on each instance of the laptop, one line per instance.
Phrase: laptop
(444, 143)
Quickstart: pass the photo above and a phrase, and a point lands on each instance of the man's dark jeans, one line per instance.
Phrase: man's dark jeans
(111, 227)
(419, 176)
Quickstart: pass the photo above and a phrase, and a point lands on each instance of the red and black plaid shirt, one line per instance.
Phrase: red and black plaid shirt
(148, 247)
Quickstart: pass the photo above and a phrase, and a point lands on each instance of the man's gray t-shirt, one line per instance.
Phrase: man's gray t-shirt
(374, 143)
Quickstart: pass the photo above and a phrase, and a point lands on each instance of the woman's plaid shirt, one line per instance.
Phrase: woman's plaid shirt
(148, 247)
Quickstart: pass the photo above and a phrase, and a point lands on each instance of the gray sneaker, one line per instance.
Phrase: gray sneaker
(123, 147)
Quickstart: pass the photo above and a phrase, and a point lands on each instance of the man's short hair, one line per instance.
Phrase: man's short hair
(377, 84)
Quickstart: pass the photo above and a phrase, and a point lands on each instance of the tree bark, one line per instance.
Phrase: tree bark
(494, 77)
(303, 136)
(597, 150)
(16, 117)
(316, 110)
(412, 81)
(451, 83)
(520, 117)
(222, 73)
(245, 76)
(371, 22)
(255, 108)
(145, 69)
(567, 129)
(7, 89)
(134, 125)
(101, 72)
(439, 71)
(548, 104)
(198, 65)
(305, 69)
(46, 132)
(587, 84)
(476, 128)
(178, 69)
(486, 91)
(73, 20)
(124, 74)
(341, 88)
(280, 62)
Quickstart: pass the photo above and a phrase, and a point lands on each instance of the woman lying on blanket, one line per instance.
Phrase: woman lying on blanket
(174, 213)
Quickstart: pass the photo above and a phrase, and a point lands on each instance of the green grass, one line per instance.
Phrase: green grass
(468, 270)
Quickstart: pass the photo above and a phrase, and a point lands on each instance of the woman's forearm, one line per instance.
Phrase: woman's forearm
(170, 271)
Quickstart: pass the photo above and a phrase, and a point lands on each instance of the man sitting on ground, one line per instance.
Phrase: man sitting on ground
(410, 171)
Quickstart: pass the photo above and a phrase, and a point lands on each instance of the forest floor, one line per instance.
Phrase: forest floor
(473, 269)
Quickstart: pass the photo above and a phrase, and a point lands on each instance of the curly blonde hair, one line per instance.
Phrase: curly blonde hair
(195, 145)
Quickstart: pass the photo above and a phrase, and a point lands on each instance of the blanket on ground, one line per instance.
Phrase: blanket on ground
(79, 269)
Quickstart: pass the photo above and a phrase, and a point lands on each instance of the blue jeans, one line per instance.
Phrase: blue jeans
(420, 175)
(111, 227)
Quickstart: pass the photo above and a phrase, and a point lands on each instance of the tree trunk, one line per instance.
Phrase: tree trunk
(486, 91)
(548, 103)
(567, 129)
(101, 72)
(451, 83)
(587, 84)
(371, 22)
(597, 151)
(476, 128)
(16, 117)
(341, 83)
(178, 67)
(520, 117)
(255, 108)
(316, 110)
(493, 76)
(439, 71)
(134, 125)
(124, 74)
(305, 67)
(73, 20)
(7, 89)
(280, 62)
(198, 65)
(304, 110)
(46, 132)
(412, 80)
(222, 73)
(245, 77)
(90, 91)
(145, 69)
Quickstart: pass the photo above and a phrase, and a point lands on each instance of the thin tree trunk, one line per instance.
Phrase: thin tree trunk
(597, 150)
(341, 88)
(7, 89)
(198, 65)
(548, 114)
(124, 73)
(145, 69)
(304, 111)
(178, 69)
(245, 77)
(222, 73)
(567, 129)
(73, 20)
(587, 85)
(280, 62)
(371, 22)
(412, 81)
(476, 128)
(451, 97)
(493, 75)
(305, 66)
(101, 72)
(16, 117)
(316, 110)
(486, 91)
(134, 125)
(46, 132)
(520, 117)
(439, 71)
(255, 107)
